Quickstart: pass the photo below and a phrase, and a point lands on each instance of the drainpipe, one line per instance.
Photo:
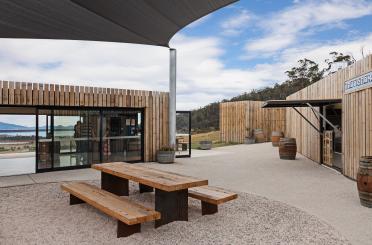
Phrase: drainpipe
(172, 96)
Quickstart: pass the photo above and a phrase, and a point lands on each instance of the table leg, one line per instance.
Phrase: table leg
(145, 188)
(114, 184)
(173, 206)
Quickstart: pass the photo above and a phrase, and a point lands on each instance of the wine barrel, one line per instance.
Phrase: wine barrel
(259, 135)
(275, 137)
(364, 181)
(287, 148)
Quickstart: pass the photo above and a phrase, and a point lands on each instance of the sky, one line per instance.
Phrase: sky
(245, 46)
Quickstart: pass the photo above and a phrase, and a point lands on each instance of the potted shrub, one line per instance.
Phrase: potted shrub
(166, 154)
(205, 144)
(249, 139)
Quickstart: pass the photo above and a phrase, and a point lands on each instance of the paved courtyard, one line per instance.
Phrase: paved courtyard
(256, 169)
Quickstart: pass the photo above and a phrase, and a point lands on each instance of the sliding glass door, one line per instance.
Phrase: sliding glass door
(122, 134)
(70, 138)
(44, 140)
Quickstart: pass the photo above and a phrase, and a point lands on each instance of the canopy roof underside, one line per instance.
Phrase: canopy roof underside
(152, 22)
(300, 103)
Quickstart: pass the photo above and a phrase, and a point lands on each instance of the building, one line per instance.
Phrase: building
(332, 118)
(75, 126)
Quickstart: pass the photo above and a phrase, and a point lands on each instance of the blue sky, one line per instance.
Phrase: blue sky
(247, 45)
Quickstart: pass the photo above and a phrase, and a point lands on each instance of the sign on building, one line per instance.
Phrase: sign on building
(358, 83)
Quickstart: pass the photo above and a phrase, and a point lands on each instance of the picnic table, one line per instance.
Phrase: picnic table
(171, 190)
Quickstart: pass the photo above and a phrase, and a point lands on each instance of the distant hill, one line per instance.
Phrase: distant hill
(63, 128)
(10, 126)
(206, 118)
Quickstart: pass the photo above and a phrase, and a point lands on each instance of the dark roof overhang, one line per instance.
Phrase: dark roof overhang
(152, 22)
(300, 103)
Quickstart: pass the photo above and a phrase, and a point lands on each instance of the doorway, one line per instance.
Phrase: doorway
(333, 114)
(183, 134)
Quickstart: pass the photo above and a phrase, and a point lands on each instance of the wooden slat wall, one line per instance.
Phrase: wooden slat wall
(357, 120)
(236, 117)
(356, 117)
(155, 104)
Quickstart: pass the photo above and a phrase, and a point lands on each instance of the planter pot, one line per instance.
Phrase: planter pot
(166, 156)
(249, 140)
(205, 145)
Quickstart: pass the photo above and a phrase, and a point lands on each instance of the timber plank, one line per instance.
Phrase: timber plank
(158, 179)
(213, 195)
(120, 208)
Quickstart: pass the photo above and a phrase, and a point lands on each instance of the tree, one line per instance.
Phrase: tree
(337, 59)
(305, 73)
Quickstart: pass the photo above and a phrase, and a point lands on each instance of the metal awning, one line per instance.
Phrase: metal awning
(152, 22)
(306, 103)
(300, 103)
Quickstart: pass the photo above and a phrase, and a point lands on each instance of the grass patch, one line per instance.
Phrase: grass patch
(214, 136)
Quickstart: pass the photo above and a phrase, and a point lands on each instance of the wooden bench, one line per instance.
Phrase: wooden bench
(129, 215)
(211, 197)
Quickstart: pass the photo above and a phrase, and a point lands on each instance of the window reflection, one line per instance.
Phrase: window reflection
(72, 138)
(122, 136)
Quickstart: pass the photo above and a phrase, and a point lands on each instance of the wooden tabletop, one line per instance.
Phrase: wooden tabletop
(158, 179)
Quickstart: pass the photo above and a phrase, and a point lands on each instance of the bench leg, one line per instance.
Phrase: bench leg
(208, 208)
(114, 184)
(125, 230)
(74, 200)
(145, 188)
(172, 206)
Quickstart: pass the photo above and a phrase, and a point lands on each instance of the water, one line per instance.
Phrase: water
(41, 133)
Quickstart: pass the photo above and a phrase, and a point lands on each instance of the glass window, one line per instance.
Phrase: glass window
(17, 142)
(45, 142)
(71, 133)
(122, 131)
(183, 134)
(93, 137)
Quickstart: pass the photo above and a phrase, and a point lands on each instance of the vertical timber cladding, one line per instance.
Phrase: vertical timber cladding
(155, 104)
(356, 116)
(237, 117)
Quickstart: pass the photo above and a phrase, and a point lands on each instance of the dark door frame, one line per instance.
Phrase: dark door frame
(189, 113)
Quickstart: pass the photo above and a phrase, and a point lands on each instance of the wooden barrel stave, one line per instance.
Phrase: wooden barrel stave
(287, 148)
(275, 137)
(364, 181)
(259, 135)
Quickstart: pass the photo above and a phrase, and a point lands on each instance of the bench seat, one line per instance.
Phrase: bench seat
(130, 215)
(211, 197)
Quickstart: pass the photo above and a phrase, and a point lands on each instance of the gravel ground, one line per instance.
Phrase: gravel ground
(40, 214)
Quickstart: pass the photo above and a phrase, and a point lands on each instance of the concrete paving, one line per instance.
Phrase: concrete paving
(301, 183)
(257, 169)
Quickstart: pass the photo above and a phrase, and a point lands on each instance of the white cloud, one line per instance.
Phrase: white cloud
(236, 24)
(202, 74)
(284, 28)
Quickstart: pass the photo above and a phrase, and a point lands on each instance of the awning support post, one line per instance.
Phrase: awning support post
(172, 96)
(307, 120)
(323, 117)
